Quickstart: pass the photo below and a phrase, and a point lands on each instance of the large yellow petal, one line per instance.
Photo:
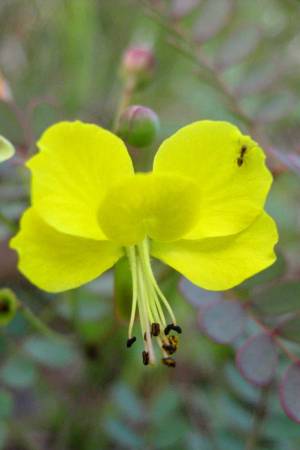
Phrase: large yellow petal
(223, 262)
(55, 261)
(163, 207)
(77, 163)
(233, 187)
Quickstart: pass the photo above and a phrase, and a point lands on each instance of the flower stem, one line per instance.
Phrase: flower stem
(38, 325)
(259, 416)
(125, 99)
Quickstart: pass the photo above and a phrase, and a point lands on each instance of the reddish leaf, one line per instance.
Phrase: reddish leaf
(197, 296)
(223, 321)
(290, 392)
(257, 359)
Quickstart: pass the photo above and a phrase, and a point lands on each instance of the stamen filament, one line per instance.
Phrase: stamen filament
(145, 251)
(143, 311)
(132, 263)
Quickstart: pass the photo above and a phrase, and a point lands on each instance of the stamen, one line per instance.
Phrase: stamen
(170, 345)
(155, 329)
(150, 301)
(132, 262)
(145, 252)
(130, 341)
(173, 327)
(170, 362)
(146, 358)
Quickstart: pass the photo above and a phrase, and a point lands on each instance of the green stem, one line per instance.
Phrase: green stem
(40, 326)
(259, 416)
(125, 99)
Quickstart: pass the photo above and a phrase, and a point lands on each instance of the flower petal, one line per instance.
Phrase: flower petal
(71, 174)
(232, 190)
(163, 207)
(223, 262)
(55, 261)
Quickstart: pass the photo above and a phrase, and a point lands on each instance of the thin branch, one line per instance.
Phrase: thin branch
(258, 418)
(179, 39)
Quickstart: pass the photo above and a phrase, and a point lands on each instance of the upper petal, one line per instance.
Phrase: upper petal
(55, 261)
(161, 206)
(223, 262)
(77, 163)
(232, 190)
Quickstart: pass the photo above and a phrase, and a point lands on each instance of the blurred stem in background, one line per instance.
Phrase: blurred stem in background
(136, 70)
(209, 73)
(41, 327)
(125, 100)
(258, 419)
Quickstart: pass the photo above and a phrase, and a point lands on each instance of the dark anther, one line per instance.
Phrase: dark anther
(170, 362)
(177, 328)
(171, 345)
(145, 358)
(155, 329)
(130, 341)
(168, 329)
(173, 327)
(169, 348)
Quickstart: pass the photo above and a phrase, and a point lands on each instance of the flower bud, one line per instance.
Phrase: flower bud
(138, 126)
(8, 306)
(6, 149)
(138, 63)
(5, 91)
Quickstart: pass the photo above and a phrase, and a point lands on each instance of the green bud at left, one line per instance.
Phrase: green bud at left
(8, 306)
(6, 149)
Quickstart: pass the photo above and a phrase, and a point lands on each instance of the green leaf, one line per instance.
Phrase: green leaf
(3, 434)
(164, 404)
(6, 404)
(18, 372)
(50, 353)
(123, 435)
(279, 299)
(290, 329)
(128, 402)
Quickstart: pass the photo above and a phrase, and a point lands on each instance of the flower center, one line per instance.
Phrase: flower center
(151, 303)
(162, 206)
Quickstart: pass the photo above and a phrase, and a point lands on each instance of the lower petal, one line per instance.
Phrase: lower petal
(223, 262)
(55, 261)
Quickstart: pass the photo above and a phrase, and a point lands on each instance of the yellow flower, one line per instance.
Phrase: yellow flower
(201, 211)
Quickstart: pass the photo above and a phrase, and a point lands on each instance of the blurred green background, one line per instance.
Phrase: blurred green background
(235, 60)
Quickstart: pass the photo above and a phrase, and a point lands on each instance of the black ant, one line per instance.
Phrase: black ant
(240, 159)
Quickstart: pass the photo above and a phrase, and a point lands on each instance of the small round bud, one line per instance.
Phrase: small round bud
(6, 149)
(8, 306)
(138, 126)
(138, 62)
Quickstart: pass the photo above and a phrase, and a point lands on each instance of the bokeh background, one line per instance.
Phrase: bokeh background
(236, 60)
